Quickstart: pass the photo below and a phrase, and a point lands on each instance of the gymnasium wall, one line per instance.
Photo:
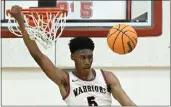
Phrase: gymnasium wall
(144, 74)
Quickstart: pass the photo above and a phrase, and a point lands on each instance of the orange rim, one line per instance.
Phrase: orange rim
(41, 10)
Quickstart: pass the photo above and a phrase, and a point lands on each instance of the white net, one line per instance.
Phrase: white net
(46, 28)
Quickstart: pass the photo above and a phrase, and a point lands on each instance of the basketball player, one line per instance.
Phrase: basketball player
(84, 85)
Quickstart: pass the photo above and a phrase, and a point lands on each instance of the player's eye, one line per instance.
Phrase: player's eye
(82, 57)
(90, 57)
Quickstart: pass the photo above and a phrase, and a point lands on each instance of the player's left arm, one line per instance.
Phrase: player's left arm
(117, 91)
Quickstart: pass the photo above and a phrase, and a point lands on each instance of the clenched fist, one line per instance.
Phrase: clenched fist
(16, 12)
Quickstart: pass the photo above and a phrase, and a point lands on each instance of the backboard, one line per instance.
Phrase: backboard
(95, 18)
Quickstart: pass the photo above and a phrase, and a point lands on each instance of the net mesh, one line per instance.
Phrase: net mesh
(45, 27)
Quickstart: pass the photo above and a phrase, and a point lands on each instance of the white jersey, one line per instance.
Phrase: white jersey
(90, 93)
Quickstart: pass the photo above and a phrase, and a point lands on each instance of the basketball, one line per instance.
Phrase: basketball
(122, 39)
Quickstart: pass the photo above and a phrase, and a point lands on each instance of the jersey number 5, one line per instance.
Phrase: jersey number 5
(91, 101)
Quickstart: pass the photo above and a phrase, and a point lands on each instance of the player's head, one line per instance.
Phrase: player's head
(81, 49)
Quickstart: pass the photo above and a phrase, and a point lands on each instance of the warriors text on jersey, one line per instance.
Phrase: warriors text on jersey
(91, 93)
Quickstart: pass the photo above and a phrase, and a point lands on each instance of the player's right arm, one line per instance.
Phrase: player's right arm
(56, 75)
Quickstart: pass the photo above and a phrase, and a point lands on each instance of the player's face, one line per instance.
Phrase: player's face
(83, 59)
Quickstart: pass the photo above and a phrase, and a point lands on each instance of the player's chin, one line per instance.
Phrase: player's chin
(87, 69)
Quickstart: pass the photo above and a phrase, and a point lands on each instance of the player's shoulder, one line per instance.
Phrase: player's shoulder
(107, 73)
(110, 76)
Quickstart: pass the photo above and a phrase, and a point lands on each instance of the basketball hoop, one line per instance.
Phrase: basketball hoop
(42, 24)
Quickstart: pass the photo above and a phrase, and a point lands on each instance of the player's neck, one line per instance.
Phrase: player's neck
(81, 74)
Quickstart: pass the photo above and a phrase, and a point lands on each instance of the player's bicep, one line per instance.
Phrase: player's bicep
(117, 91)
(120, 95)
(55, 74)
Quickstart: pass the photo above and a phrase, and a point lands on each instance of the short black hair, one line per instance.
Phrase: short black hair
(79, 43)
